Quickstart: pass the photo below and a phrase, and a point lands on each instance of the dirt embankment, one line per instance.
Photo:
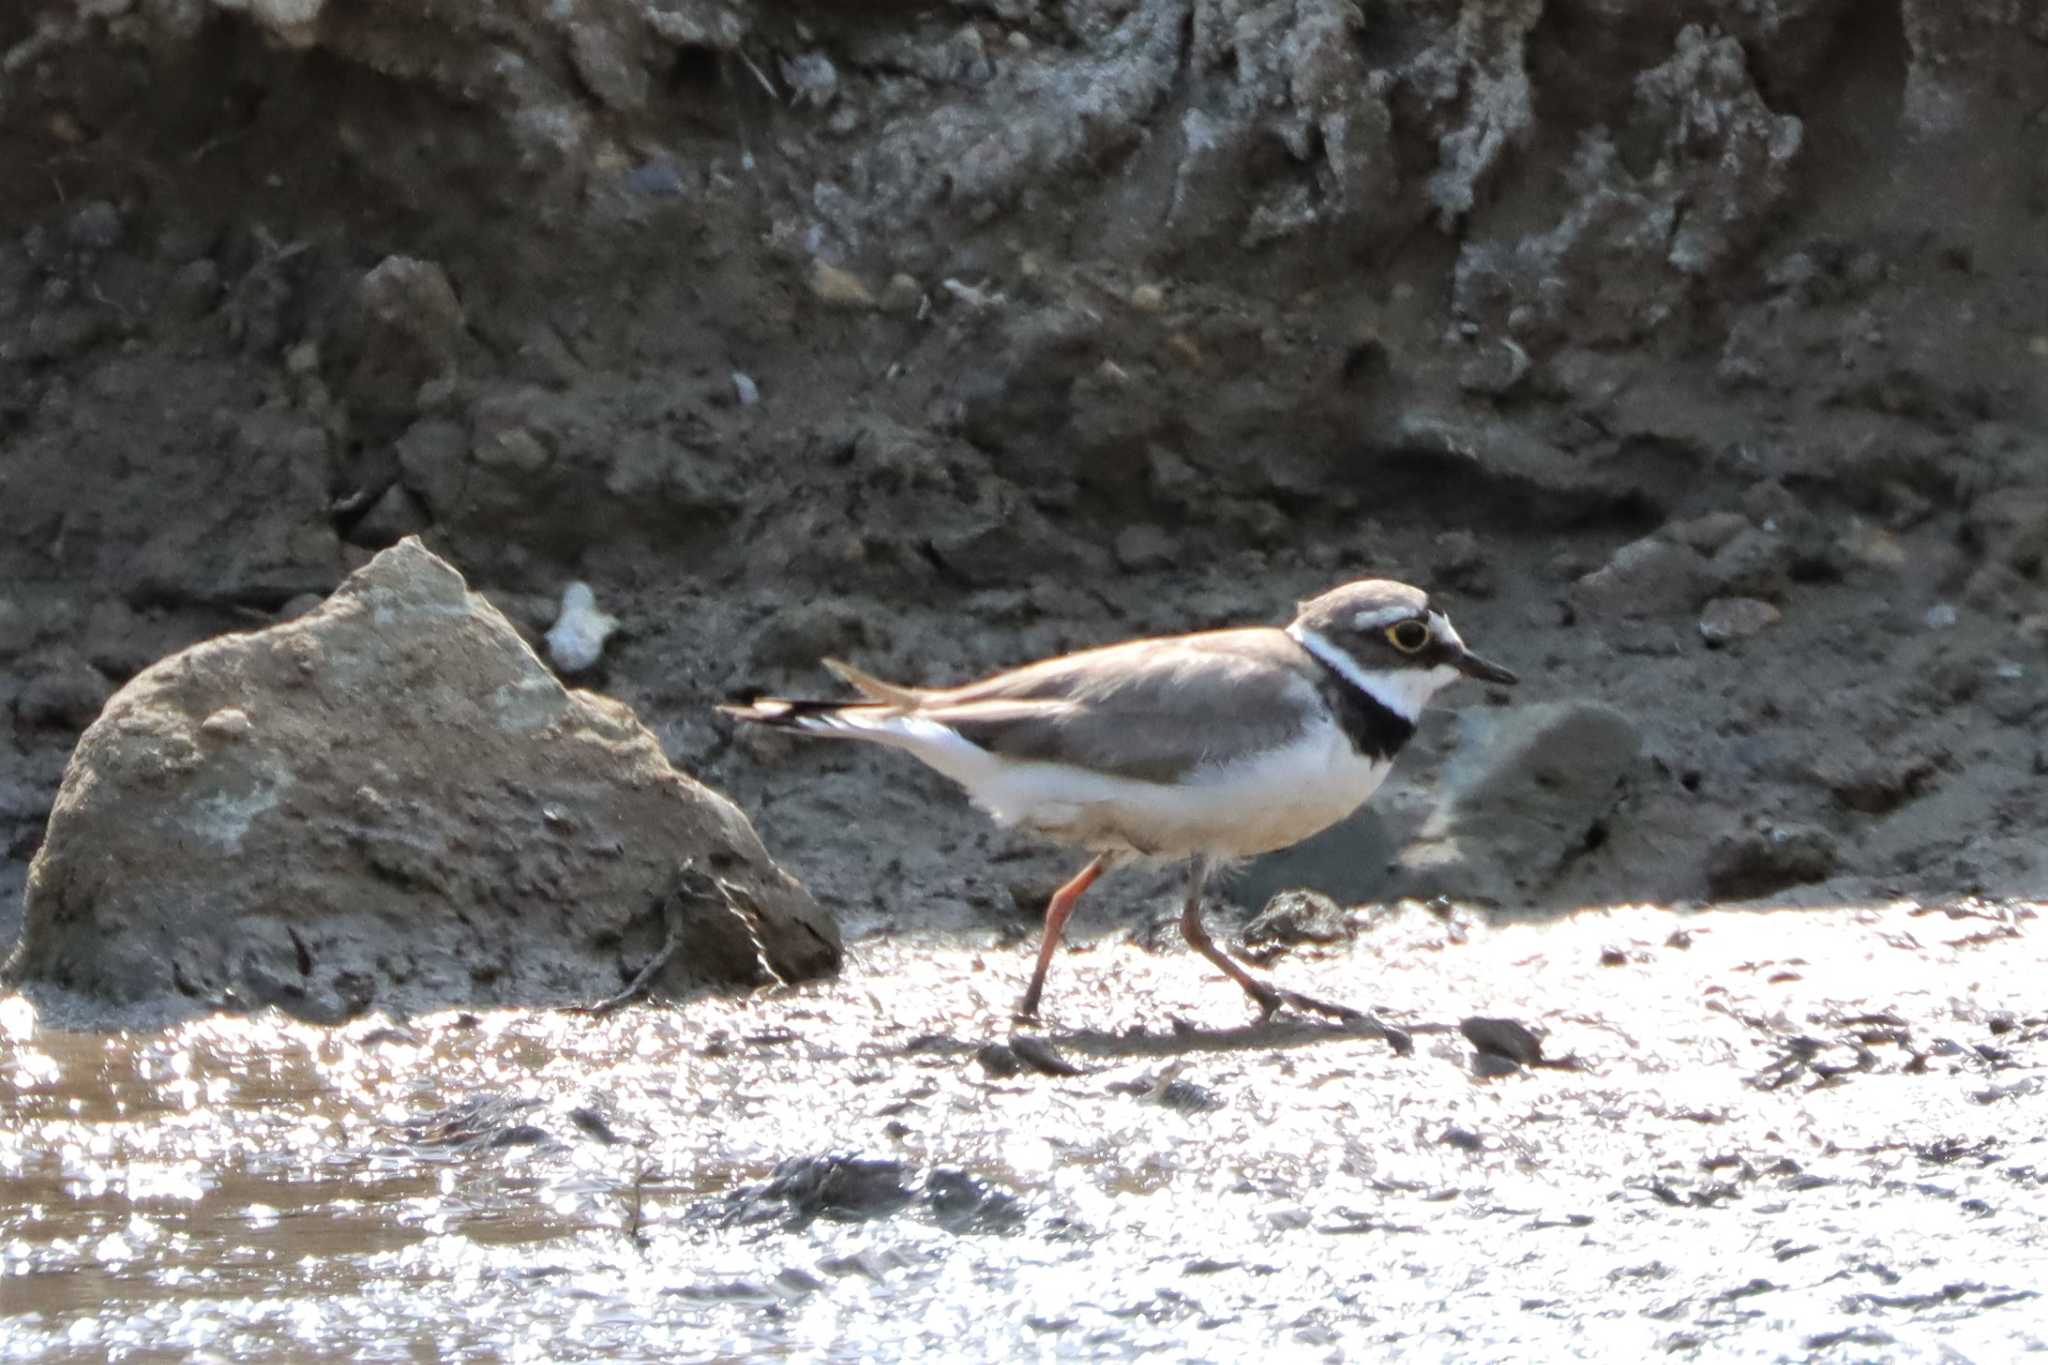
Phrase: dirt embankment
(1695, 350)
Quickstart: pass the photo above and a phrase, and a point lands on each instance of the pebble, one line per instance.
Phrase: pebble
(658, 178)
(1736, 618)
(838, 288)
(1940, 616)
(576, 640)
(1503, 1038)
(744, 390)
(902, 294)
(95, 226)
(1872, 546)
(1709, 533)
(230, 722)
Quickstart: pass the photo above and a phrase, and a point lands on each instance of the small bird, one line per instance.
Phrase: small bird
(1209, 747)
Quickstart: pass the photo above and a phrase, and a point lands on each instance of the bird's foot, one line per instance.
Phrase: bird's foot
(1271, 1000)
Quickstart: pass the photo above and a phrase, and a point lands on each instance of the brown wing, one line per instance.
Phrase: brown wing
(1149, 709)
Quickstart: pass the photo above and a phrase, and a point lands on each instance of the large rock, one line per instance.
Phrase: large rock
(391, 802)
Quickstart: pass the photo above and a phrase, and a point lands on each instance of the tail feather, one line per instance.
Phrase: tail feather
(873, 687)
(787, 713)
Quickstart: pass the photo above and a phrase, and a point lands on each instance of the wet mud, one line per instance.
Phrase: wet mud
(1804, 1135)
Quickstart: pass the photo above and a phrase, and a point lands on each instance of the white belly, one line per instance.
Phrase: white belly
(1231, 810)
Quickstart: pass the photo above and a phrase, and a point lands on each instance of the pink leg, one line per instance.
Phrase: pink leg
(1057, 911)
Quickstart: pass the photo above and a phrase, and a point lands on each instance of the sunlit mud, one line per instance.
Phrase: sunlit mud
(1801, 1135)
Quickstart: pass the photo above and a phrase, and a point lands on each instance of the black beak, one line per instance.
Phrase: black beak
(1472, 666)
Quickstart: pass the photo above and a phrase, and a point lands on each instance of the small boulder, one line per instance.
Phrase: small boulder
(402, 330)
(1648, 577)
(1297, 917)
(1529, 790)
(390, 802)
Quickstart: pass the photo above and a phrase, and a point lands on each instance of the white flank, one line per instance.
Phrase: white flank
(1404, 691)
(1232, 810)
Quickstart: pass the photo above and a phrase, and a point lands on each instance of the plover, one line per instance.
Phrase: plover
(1209, 747)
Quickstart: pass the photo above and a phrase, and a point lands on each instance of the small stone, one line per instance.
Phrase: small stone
(514, 448)
(1142, 548)
(96, 225)
(1148, 298)
(1298, 917)
(432, 454)
(979, 297)
(999, 1059)
(576, 640)
(228, 723)
(812, 79)
(402, 328)
(194, 290)
(1772, 506)
(1872, 546)
(836, 288)
(658, 179)
(1756, 563)
(1508, 1038)
(745, 391)
(1709, 533)
(1040, 1056)
(902, 294)
(1940, 616)
(1494, 368)
(1736, 618)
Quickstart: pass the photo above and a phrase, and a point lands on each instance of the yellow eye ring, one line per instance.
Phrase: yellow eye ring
(1408, 636)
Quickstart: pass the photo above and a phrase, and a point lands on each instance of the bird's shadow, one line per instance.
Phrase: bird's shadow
(1179, 1040)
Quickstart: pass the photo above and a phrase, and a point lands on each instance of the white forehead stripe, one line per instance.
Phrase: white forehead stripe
(1404, 691)
(1440, 626)
(1385, 616)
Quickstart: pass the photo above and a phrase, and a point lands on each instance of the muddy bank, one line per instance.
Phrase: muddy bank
(1797, 1135)
(1694, 355)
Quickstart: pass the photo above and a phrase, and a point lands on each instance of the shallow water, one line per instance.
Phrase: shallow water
(1799, 1135)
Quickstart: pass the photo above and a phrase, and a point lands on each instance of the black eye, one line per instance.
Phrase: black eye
(1408, 636)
